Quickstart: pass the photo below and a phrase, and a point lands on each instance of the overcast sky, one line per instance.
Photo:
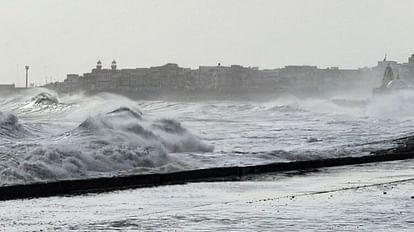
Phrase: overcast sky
(57, 37)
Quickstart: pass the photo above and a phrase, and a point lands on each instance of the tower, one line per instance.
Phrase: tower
(27, 76)
(113, 65)
(99, 65)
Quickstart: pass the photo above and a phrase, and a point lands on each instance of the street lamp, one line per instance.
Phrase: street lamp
(27, 76)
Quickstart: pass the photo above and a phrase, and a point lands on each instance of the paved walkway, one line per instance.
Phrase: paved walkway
(372, 197)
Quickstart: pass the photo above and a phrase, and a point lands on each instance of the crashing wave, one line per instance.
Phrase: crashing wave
(178, 139)
(127, 123)
(10, 126)
(135, 113)
(120, 118)
(57, 162)
(107, 144)
(45, 99)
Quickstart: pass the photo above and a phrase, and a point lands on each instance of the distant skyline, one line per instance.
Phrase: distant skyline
(56, 37)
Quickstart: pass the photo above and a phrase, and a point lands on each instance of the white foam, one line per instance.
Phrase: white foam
(105, 144)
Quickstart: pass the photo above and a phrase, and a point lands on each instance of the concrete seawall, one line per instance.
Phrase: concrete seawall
(71, 187)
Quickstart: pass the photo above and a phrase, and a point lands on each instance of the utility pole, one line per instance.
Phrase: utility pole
(27, 76)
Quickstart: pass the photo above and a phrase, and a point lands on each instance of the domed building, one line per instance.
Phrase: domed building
(99, 65)
(113, 65)
(397, 83)
(390, 83)
(388, 76)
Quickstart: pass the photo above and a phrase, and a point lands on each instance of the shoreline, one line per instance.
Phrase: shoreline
(106, 184)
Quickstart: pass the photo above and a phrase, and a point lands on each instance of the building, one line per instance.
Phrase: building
(7, 87)
(213, 78)
(411, 60)
(234, 80)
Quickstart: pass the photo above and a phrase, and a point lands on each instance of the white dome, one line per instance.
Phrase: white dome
(397, 84)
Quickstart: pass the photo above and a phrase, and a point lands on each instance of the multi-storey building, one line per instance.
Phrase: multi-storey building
(229, 80)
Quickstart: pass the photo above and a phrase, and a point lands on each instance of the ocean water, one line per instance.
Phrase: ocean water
(45, 136)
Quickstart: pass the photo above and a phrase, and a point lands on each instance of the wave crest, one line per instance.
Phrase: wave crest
(129, 125)
(45, 99)
(10, 126)
(107, 144)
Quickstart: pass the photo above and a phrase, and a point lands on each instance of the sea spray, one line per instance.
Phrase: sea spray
(118, 141)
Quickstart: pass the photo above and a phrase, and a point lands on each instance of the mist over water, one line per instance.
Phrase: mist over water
(46, 137)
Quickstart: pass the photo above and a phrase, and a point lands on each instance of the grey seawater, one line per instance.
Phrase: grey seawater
(46, 137)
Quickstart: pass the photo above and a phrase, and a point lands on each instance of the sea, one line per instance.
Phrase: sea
(46, 136)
